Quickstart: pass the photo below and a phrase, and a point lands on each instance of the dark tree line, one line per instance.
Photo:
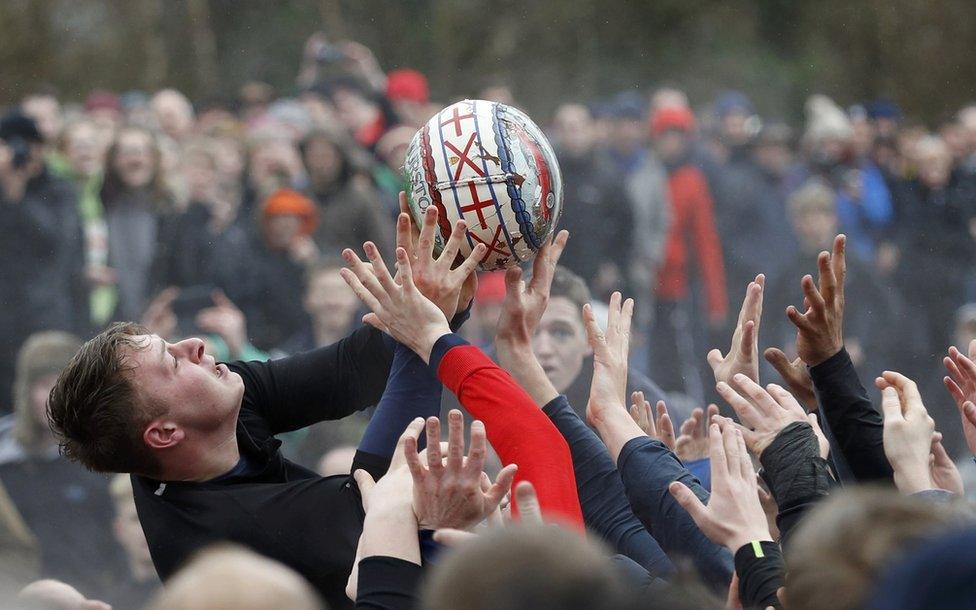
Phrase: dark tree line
(918, 53)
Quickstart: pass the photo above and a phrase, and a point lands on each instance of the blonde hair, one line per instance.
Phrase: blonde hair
(813, 196)
(231, 576)
(43, 353)
(843, 546)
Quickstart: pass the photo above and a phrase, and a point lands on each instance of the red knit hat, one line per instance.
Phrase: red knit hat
(102, 100)
(677, 118)
(491, 287)
(289, 202)
(409, 85)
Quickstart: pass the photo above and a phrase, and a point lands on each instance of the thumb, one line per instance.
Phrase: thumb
(939, 454)
(778, 360)
(364, 481)
(528, 503)
(714, 358)
(689, 501)
(969, 411)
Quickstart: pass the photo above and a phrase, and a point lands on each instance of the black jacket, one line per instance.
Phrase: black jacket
(279, 509)
(599, 216)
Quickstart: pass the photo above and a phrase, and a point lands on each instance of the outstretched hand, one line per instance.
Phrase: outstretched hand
(733, 517)
(661, 428)
(524, 305)
(944, 473)
(608, 391)
(398, 309)
(743, 355)
(529, 512)
(820, 332)
(439, 277)
(764, 412)
(908, 431)
(795, 375)
(692, 443)
(961, 383)
(447, 493)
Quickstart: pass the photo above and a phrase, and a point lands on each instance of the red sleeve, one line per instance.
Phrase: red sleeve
(517, 429)
(708, 248)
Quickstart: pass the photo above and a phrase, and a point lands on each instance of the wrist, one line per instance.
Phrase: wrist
(392, 509)
(754, 538)
(513, 349)
(826, 354)
(427, 338)
(913, 479)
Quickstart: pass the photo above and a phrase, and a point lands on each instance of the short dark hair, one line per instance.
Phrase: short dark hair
(568, 285)
(95, 410)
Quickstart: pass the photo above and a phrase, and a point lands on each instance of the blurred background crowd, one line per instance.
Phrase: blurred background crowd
(223, 216)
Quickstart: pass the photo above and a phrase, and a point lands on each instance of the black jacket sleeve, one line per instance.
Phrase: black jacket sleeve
(387, 583)
(323, 384)
(761, 571)
(796, 474)
(857, 427)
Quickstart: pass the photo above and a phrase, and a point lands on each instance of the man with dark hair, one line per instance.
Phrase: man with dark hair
(198, 436)
(561, 347)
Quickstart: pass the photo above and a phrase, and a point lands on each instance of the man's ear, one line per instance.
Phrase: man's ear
(161, 434)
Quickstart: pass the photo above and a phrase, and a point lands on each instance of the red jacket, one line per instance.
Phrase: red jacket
(517, 429)
(692, 217)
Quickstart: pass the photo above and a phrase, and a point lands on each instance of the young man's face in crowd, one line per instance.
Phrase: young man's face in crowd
(196, 394)
(330, 301)
(774, 158)
(83, 149)
(560, 342)
(934, 165)
(574, 129)
(281, 230)
(735, 127)
(671, 145)
(322, 161)
(354, 110)
(46, 112)
(815, 227)
(628, 134)
(134, 159)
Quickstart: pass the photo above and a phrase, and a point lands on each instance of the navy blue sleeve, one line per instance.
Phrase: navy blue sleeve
(647, 467)
(442, 346)
(601, 492)
(411, 391)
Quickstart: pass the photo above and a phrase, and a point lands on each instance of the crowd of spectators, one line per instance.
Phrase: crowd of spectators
(225, 217)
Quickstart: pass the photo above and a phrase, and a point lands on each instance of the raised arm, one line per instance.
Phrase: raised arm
(734, 517)
(791, 449)
(431, 492)
(647, 466)
(519, 433)
(412, 390)
(853, 422)
(601, 492)
(350, 375)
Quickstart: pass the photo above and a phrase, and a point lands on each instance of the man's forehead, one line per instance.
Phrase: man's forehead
(561, 309)
(140, 348)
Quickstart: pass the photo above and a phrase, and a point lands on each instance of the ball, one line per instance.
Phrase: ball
(489, 164)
